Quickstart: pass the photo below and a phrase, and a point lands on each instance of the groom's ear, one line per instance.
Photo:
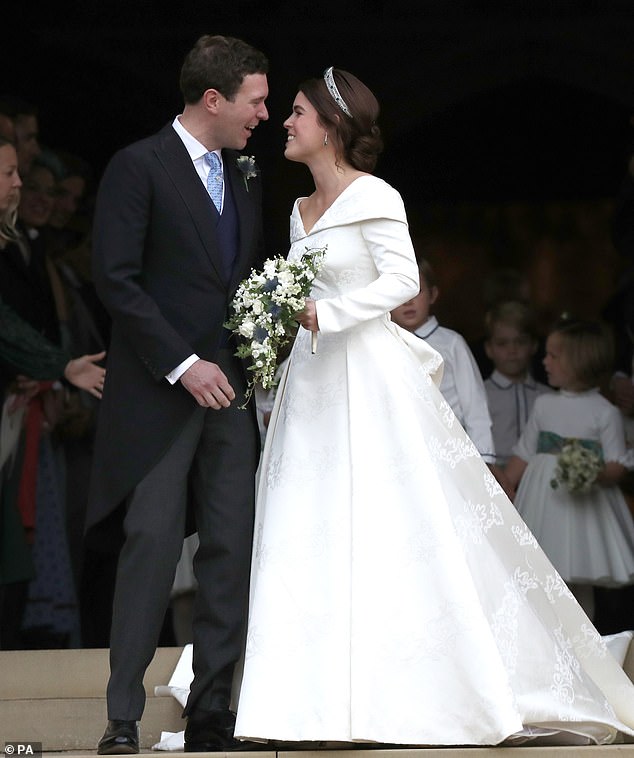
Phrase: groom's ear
(212, 100)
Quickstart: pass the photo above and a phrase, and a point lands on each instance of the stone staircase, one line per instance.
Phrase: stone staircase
(56, 697)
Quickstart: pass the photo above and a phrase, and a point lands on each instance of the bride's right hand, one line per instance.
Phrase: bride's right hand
(308, 317)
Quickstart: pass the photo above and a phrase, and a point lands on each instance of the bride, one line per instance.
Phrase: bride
(397, 597)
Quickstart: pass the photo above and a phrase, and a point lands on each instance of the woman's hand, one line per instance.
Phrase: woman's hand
(308, 317)
(84, 373)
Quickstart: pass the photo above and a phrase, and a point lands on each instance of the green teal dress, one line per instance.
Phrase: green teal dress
(23, 350)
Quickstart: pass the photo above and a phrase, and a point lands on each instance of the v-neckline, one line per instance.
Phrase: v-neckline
(307, 232)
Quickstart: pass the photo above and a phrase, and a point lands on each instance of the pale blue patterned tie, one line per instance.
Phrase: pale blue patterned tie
(215, 179)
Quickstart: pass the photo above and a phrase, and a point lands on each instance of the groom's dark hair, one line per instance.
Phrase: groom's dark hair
(221, 63)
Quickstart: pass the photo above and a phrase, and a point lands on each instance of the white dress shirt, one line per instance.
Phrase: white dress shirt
(462, 385)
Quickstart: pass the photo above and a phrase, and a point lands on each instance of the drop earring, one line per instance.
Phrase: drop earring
(326, 139)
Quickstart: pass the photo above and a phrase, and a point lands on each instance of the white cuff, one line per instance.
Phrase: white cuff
(175, 374)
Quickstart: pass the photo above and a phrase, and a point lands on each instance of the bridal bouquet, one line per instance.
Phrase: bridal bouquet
(577, 467)
(263, 308)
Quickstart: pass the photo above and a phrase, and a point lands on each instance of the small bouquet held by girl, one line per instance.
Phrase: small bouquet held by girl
(262, 312)
(577, 467)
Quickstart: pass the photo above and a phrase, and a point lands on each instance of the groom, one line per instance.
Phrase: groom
(177, 226)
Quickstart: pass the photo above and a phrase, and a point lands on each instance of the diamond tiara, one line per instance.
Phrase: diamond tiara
(334, 92)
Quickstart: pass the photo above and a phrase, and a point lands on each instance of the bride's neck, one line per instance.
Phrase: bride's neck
(330, 181)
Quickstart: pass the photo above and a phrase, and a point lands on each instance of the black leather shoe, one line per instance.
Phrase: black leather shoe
(212, 732)
(120, 738)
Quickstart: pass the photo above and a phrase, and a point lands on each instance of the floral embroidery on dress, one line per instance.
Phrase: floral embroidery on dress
(477, 520)
(566, 664)
(524, 581)
(492, 485)
(261, 550)
(504, 625)
(590, 644)
(447, 414)
(422, 547)
(302, 468)
(442, 630)
(524, 536)
(452, 451)
(322, 397)
(555, 587)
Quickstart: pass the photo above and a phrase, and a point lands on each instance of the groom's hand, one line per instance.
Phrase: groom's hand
(208, 384)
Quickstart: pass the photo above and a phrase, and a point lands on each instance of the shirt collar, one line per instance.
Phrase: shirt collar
(580, 393)
(196, 149)
(430, 326)
(503, 382)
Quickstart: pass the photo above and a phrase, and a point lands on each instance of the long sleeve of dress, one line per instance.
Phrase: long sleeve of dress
(390, 247)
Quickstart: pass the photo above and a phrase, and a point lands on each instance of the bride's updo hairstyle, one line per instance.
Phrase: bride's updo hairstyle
(349, 111)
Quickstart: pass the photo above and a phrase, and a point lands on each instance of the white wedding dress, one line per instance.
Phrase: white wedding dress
(397, 596)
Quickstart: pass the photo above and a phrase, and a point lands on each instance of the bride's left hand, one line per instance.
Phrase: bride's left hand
(308, 317)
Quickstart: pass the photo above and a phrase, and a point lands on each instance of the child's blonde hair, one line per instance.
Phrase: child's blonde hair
(588, 347)
(511, 313)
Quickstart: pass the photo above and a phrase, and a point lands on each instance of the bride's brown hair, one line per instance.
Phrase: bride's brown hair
(357, 138)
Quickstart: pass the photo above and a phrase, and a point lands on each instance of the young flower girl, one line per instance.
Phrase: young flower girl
(569, 461)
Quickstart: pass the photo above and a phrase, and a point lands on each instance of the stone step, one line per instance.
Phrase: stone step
(57, 697)
(78, 723)
(598, 751)
(75, 673)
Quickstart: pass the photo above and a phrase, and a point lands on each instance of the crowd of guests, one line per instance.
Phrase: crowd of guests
(48, 421)
(516, 392)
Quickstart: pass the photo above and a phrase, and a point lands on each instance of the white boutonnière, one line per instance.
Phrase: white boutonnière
(248, 169)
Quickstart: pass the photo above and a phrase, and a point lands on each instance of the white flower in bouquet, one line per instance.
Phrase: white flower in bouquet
(263, 309)
(577, 467)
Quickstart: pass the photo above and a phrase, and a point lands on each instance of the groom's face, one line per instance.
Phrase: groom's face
(237, 118)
